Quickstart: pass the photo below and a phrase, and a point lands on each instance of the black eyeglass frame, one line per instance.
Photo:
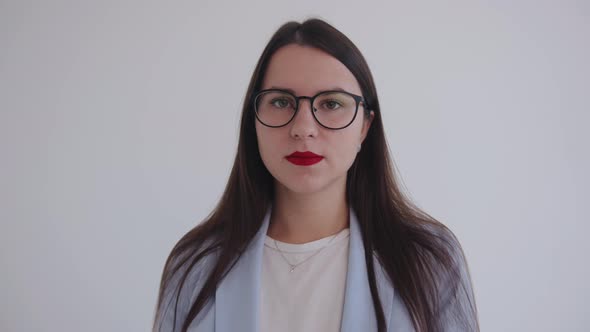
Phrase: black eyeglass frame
(358, 99)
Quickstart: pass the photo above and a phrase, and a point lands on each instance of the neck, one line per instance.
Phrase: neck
(300, 218)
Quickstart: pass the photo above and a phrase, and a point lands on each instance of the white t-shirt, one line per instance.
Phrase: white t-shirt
(311, 297)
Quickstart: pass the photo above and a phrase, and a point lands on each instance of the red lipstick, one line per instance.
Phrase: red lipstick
(306, 158)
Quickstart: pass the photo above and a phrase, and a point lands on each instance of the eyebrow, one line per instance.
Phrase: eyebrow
(293, 92)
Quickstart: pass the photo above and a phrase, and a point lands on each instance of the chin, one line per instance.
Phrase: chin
(305, 184)
(303, 189)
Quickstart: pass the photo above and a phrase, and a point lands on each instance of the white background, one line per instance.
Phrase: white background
(119, 119)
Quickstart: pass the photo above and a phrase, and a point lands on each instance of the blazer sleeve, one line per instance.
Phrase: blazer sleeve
(458, 311)
(177, 298)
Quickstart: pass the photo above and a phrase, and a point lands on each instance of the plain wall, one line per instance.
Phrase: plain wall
(118, 128)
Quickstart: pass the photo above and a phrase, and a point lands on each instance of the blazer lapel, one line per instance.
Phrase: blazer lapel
(237, 296)
(358, 312)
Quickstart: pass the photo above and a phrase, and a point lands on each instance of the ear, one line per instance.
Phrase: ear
(366, 125)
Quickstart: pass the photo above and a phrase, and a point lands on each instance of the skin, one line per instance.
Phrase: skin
(310, 201)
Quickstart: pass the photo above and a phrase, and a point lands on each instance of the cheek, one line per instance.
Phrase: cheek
(261, 137)
(268, 143)
(343, 148)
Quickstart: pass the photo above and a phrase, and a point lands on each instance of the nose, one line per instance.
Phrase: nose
(304, 124)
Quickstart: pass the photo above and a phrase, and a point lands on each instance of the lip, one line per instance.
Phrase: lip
(306, 158)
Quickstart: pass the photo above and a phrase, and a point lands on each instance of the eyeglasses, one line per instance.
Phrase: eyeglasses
(332, 109)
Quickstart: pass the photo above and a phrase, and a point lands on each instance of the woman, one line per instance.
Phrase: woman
(312, 232)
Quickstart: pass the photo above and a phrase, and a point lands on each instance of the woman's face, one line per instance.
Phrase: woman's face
(307, 71)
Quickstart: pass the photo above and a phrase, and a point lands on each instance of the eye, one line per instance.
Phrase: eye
(332, 104)
(280, 102)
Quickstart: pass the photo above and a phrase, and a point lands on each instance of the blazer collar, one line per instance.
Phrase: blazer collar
(237, 297)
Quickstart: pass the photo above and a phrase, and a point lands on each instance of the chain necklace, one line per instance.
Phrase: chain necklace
(293, 266)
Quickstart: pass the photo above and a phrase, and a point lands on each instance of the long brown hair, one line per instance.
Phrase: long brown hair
(422, 257)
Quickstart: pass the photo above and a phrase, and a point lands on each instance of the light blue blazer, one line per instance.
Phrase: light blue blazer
(235, 306)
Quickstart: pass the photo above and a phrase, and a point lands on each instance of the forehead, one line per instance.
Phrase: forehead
(307, 70)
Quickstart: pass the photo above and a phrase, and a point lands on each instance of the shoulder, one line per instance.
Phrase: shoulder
(185, 277)
(456, 300)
